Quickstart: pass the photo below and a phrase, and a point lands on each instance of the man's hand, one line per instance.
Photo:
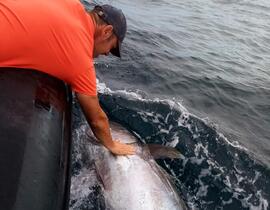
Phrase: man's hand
(99, 124)
(119, 148)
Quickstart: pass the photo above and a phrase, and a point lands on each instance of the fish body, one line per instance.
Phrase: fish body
(134, 182)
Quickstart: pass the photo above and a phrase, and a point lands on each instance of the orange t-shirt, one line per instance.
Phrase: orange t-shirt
(52, 36)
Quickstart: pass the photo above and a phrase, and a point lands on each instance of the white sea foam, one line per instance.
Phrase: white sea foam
(81, 186)
(83, 182)
(174, 142)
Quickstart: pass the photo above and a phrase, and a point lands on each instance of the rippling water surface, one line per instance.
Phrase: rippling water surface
(194, 75)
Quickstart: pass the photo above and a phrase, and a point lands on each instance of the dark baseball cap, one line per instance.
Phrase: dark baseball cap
(116, 18)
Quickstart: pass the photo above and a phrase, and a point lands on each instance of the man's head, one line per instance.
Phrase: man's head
(110, 30)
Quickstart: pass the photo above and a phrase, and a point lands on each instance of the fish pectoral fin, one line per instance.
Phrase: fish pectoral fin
(161, 152)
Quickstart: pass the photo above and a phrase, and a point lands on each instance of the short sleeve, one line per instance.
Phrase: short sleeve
(85, 82)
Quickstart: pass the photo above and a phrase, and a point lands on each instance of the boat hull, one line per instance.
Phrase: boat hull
(35, 140)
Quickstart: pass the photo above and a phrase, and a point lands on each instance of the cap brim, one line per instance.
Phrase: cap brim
(116, 51)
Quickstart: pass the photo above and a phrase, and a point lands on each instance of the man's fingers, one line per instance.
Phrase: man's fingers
(130, 149)
(123, 149)
(127, 151)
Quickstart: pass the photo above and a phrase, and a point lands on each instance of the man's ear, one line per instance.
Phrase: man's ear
(107, 31)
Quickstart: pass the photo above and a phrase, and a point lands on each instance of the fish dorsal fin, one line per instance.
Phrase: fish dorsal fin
(161, 152)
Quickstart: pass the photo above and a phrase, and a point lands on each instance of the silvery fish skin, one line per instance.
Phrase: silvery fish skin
(134, 182)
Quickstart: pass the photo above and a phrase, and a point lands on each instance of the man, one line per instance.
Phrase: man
(60, 38)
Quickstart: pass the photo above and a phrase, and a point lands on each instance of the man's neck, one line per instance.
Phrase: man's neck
(93, 16)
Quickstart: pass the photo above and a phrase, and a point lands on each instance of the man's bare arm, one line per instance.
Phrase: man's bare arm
(99, 124)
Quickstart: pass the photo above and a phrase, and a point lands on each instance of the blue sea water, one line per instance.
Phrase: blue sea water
(194, 75)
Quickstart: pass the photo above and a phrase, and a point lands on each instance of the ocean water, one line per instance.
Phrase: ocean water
(194, 75)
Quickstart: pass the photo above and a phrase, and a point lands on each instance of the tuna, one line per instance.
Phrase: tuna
(135, 182)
